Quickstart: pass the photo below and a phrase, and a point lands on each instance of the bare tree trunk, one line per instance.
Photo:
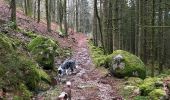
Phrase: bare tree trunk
(48, 15)
(99, 22)
(39, 11)
(35, 8)
(160, 34)
(140, 29)
(152, 38)
(77, 27)
(65, 17)
(13, 13)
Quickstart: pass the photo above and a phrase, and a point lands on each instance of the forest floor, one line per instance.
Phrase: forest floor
(89, 83)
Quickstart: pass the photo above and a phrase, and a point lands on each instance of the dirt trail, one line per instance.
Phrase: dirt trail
(89, 83)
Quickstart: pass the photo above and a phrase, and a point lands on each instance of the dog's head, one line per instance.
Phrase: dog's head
(60, 71)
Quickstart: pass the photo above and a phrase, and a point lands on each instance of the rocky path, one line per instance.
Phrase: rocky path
(91, 83)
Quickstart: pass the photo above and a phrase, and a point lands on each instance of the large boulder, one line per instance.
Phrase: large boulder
(43, 50)
(125, 64)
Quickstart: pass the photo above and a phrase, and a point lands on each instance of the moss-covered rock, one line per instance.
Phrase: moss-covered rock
(158, 94)
(43, 50)
(133, 66)
(134, 81)
(148, 85)
(17, 70)
(36, 42)
(129, 90)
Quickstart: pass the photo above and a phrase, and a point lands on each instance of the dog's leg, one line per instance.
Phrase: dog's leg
(66, 72)
(77, 66)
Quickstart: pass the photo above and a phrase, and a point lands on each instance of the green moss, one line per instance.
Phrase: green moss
(43, 50)
(36, 42)
(17, 70)
(129, 90)
(148, 85)
(17, 98)
(134, 81)
(132, 64)
(157, 94)
(98, 56)
(5, 43)
(34, 74)
(30, 34)
(141, 98)
(26, 94)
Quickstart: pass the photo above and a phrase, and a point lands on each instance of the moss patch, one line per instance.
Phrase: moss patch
(148, 85)
(141, 98)
(134, 81)
(98, 56)
(158, 94)
(30, 34)
(43, 50)
(17, 70)
(5, 43)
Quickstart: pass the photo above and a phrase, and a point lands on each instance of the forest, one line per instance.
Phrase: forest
(84, 50)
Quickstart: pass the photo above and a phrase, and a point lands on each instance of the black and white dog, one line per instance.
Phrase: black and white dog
(66, 66)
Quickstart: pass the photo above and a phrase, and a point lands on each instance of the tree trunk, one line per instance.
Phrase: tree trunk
(48, 15)
(39, 11)
(13, 13)
(65, 17)
(152, 38)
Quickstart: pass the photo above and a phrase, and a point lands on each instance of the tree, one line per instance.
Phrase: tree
(96, 16)
(38, 11)
(13, 13)
(28, 7)
(48, 14)
(152, 38)
(108, 26)
(60, 13)
(65, 16)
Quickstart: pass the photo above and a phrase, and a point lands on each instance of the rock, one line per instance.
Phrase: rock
(131, 90)
(134, 81)
(129, 65)
(148, 85)
(43, 50)
(158, 94)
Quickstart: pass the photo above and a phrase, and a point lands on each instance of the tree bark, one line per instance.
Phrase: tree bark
(39, 1)
(13, 13)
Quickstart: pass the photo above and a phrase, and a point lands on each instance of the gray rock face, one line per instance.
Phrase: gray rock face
(118, 62)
